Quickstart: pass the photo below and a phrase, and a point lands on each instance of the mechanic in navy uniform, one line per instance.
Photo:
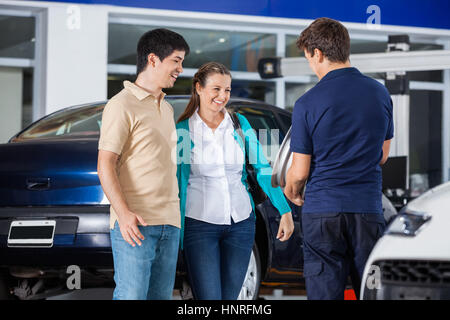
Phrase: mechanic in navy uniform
(341, 132)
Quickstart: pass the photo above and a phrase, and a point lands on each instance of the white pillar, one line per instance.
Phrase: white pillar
(280, 85)
(76, 55)
(400, 142)
(446, 123)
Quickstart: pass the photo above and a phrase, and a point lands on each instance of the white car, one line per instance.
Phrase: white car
(412, 259)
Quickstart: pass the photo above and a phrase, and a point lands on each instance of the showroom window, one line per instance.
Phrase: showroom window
(17, 51)
(258, 90)
(425, 140)
(295, 91)
(17, 40)
(239, 51)
(291, 47)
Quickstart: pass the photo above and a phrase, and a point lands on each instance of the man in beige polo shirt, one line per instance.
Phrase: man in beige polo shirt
(138, 175)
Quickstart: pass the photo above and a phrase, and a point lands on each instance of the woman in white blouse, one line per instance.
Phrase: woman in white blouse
(218, 219)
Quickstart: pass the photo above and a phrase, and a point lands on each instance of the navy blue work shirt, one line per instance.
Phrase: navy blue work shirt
(342, 122)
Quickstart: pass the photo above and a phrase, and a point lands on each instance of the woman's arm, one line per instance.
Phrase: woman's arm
(263, 176)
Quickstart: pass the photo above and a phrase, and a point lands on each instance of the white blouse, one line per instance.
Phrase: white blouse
(215, 192)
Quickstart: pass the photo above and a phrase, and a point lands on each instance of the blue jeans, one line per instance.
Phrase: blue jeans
(217, 257)
(145, 272)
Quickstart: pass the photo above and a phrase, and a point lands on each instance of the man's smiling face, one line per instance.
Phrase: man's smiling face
(170, 68)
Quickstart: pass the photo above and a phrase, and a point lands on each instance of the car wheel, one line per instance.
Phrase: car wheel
(5, 293)
(250, 288)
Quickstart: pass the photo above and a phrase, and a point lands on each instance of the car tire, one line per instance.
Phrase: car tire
(252, 281)
(5, 293)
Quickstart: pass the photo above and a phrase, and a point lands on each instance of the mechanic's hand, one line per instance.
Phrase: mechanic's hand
(293, 189)
(286, 227)
(292, 193)
(128, 224)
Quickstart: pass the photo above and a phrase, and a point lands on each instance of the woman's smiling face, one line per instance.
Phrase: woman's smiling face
(215, 95)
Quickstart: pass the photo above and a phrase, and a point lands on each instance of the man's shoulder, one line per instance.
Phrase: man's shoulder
(121, 101)
(368, 82)
(305, 100)
(168, 105)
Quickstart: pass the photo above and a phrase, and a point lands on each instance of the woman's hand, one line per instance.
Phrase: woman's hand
(286, 227)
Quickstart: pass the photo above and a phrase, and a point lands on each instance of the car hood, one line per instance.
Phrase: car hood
(432, 241)
(433, 201)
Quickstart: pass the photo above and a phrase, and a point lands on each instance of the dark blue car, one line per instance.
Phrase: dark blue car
(54, 214)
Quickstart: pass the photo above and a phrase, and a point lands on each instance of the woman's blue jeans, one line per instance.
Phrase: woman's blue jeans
(217, 257)
(145, 272)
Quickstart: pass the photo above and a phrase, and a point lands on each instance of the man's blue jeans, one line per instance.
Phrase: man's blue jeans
(145, 272)
(217, 257)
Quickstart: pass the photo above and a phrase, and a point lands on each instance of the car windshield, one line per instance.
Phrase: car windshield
(82, 121)
(179, 105)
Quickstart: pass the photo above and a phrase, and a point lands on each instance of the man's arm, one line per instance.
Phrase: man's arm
(386, 148)
(127, 219)
(296, 177)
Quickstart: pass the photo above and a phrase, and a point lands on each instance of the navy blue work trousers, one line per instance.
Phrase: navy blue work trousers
(336, 246)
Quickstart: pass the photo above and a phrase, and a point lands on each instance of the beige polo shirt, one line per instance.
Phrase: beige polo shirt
(141, 130)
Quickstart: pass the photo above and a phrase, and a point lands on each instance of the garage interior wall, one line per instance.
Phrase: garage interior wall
(89, 51)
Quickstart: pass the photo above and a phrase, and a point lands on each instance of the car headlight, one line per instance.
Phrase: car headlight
(407, 223)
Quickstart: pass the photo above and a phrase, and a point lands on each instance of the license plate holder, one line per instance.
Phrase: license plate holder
(31, 233)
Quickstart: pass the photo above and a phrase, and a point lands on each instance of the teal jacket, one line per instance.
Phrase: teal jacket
(256, 157)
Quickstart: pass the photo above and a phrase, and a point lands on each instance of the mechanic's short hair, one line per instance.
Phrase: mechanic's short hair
(327, 35)
(161, 42)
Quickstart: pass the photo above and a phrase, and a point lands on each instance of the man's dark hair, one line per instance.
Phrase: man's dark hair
(327, 35)
(162, 43)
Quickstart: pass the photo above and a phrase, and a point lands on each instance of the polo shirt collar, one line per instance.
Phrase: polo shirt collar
(138, 92)
(339, 72)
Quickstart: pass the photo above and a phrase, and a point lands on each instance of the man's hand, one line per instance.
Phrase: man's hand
(386, 148)
(128, 220)
(293, 192)
(286, 227)
(128, 224)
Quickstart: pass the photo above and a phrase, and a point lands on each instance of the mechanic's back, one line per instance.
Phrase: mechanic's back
(347, 119)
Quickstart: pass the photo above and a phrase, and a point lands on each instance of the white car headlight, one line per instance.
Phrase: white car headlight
(407, 223)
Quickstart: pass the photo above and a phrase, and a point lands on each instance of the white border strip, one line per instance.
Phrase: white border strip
(379, 62)
(446, 124)
(187, 72)
(425, 85)
(16, 62)
(14, 13)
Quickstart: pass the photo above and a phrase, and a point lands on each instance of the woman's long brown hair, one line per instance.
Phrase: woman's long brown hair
(201, 76)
